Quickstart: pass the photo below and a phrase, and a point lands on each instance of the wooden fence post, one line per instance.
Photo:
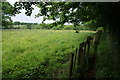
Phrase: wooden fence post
(71, 65)
(82, 55)
(75, 56)
(88, 44)
(80, 58)
(84, 48)
(79, 53)
(96, 38)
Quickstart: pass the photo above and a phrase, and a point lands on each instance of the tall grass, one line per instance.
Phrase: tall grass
(38, 53)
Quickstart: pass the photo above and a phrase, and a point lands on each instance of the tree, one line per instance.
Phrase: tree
(99, 14)
(29, 25)
(17, 23)
(7, 12)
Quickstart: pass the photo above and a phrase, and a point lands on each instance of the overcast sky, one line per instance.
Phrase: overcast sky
(23, 18)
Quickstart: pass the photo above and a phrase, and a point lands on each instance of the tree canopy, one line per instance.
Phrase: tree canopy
(100, 14)
(7, 12)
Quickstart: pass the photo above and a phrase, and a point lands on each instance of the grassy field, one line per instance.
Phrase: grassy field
(38, 53)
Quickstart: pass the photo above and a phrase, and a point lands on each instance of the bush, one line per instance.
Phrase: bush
(59, 27)
(68, 27)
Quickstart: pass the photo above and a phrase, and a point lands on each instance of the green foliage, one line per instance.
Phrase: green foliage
(7, 12)
(17, 23)
(69, 27)
(99, 14)
(100, 28)
(107, 64)
(91, 25)
(58, 27)
(53, 10)
(44, 26)
(7, 24)
(38, 53)
(19, 27)
(72, 27)
(23, 25)
(29, 25)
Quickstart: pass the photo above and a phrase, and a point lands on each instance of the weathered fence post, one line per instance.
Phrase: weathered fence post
(71, 65)
(80, 60)
(75, 56)
(97, 39)
(80, 51)
(84, 51)
(88, 44)
(93, 39)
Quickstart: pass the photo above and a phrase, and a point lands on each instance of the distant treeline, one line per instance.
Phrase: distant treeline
(19, 25)
(24, 25)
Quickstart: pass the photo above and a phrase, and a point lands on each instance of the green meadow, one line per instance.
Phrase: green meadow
(39, 53)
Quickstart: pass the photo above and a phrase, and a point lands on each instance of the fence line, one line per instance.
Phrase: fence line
(79, 59)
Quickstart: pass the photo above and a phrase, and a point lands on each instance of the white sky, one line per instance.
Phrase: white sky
(23, 18)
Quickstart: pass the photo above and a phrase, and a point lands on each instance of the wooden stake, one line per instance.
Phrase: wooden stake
(71, 65)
